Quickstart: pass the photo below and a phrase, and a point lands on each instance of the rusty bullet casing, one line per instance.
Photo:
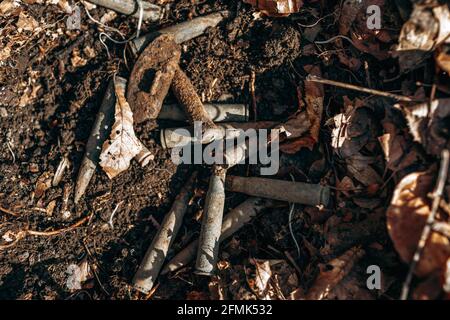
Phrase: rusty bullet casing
(151, 12)
(208, 249)
(218, 112)
(152, 76)
(173, 137)
(294, 192)
(232, 222)
(144, 156)
(188, 98)
(182, 32)
(150, 266)
(100, 132)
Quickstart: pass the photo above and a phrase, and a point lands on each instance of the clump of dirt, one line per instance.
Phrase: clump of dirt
(281, 44)
(52, 86)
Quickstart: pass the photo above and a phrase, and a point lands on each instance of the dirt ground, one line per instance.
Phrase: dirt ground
(54, 119)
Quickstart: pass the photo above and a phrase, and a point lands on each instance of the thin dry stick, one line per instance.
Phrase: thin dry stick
(442, 178)
(361, 89)
(8, 211)
(253, 94)
(24, 233)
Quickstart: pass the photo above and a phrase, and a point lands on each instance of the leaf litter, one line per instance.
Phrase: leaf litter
(373, 126)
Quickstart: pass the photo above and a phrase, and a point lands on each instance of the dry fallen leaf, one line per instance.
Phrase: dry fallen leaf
(7, 6)
(260, 284)
(360, 168)
(348, 14)
(428, 126)
(123, 145)
(406, 218)
(294, 129)
(429, 289)
(217, 288)
(427, 28)
(5, 53)
(77, 60)
(352, 129)
(50, 208)
(43, 183)
(351, 288)
(29, 95)
(443, 58)
(314, 97)
(276, 8)
(399, 150)
(332, 274)
(26, 23)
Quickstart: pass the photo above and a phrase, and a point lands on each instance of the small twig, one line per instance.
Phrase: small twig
(442, 178)
(8, 144)
(110, 221)
(315, 23)
(8, 211)
(335, 38)
(361, 89)
(292, 261)
(291, 212)
(24, 233)
(442, 228)
(253, 94)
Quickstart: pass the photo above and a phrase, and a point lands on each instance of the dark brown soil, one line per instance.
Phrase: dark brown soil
(57, 123)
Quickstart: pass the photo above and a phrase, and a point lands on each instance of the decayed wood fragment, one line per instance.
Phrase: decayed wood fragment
(332, 273)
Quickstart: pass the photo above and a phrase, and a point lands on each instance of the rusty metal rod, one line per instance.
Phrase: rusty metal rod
(174, 137)
(208, 249)
(232, 222)
(151, 12)
(294, 192)
(188, 98)
(148, 271)
(218, 112)
(99, 134)
(182, 32)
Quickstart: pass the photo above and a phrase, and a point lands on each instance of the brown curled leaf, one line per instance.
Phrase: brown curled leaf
(314, 97)
(151, 77)
(332, 274)
(122, 145)
(406, 218)
(276, 8)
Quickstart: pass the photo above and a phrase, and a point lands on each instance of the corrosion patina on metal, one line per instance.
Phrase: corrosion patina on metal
(155, 256)
(150, 11)
(174, 137)
(208, 249)
(182, 32)
(188, 98)
(152, 76)
(99, 134)
(289, 191)
(232, 222)
(218, 112)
